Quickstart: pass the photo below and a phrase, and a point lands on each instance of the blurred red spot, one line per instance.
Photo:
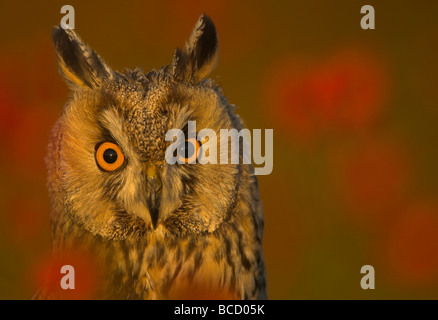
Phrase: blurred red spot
(10, 112)
(373, 181)
(30, 90)
(24, 133)
(342, 93)
(87, 277)
(411, 248)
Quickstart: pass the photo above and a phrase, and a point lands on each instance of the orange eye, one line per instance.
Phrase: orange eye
(109, 157)
(188, 151)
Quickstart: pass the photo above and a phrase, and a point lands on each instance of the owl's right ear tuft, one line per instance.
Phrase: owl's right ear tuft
(80, 65)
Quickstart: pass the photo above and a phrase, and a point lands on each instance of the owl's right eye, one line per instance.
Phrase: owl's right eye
(109, 157)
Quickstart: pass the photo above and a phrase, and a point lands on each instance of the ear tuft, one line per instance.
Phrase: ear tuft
(80, 65)
(200, 54)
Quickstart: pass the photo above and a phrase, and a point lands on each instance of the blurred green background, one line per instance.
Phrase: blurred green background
(354, 113)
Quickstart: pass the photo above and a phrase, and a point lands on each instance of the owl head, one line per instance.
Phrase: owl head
(107, 168)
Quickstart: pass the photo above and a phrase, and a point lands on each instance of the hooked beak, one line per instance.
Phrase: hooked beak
(153, 191)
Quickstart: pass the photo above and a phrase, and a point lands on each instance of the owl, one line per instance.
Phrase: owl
(159, 230)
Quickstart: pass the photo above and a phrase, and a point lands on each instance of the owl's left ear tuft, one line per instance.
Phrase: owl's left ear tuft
(200, 54)
(80, 65)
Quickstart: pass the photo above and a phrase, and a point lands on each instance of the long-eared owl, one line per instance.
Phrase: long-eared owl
(159, 230)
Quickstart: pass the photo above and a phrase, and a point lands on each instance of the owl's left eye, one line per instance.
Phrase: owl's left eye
(109, 157)
(188, 151)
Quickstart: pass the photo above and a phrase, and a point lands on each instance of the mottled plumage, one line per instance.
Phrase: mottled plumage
(157, 228)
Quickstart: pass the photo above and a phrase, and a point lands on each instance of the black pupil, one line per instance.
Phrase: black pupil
(187, 150)
(110, 156)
